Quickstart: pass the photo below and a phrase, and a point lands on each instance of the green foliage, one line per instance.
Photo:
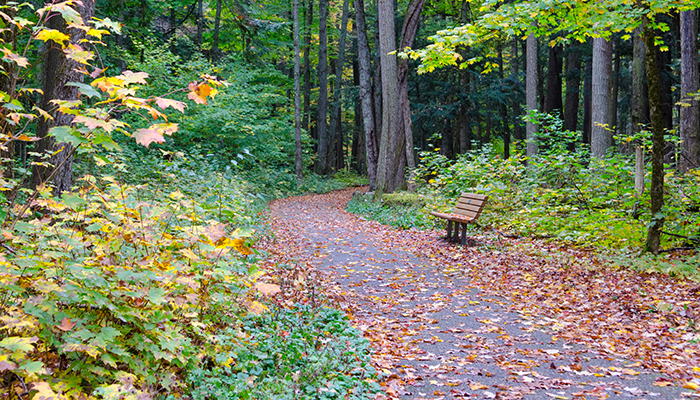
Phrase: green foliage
(393, 213)
(563, 194)
(303, 352)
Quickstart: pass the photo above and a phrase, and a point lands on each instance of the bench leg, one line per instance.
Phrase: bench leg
(455, 237)
(449, 230)
(464, 234)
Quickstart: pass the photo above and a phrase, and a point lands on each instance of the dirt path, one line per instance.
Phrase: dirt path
(495, 321)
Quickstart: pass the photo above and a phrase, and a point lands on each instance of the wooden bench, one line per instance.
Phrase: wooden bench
(466, 211)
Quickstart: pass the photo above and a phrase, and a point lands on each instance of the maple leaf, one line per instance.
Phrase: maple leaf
(66, 325)
(52, 34)
(145, 137)
(77, 54)
(44, 391)
(164, 103)
(94, 123)
(15, 58)
(129, 77)
(199, 92)
(239, 245)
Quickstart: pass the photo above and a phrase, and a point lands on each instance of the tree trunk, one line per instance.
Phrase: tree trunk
(215, 52)
(307, 66)
(321, 166)
(377, 85)
(505, 131)
(200, 23)
(335, 122)
(615, 83)
(363, 55)
(573, 84)
(297, 93)
(57, 71)
(640, 99)
(653, 240)
(8, 82)
(690, 83)
(514, 71)
(389, 173)
(408, 33)
(587, 100)
(553, 94)
(531, 94)
(601, 139)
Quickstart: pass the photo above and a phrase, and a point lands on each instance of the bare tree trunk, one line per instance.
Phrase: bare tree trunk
(297, 93)
(514, 71)
(57, 72)
(408, 33)
(307, 66)
(690, 83)
(553, 96)
(377, 85)
(531, 94)
(389, 174)
(321, 166)
(601, 140)
(573, 84)
(614, 82)
(640, 99)
(215, 52)
(363, 55)
(200, 23)
(336, 135)
(653, 241)
(505, 131)
(587, 100)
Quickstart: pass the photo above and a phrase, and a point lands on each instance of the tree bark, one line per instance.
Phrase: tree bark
(215, 52)
(307, 66)
(321, 165)
(573, 84)
(389, 173)
(587, 100)
(653, 240)
(363, 55)
(690, 83)
(408, 33)
(531, 94)
(200, 23)
(615, 89)
(335, 122)
(601, 139)
(553, 94)
(640, 100)
(514, 74)
(505, 131)
(297, 94)
(57, 71)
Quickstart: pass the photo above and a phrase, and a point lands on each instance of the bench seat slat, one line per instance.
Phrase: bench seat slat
(467, 209)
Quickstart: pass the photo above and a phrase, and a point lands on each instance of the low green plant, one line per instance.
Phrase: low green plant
(299, 353)
(395, 214)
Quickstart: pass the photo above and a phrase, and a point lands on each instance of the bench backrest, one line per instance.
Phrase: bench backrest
(470, 205)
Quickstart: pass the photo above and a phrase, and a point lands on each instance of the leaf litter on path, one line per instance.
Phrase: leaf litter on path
(506, 319)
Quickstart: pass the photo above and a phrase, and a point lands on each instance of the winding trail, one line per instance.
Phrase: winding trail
(444, 320)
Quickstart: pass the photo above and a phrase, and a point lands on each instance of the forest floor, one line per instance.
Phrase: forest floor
(501, 319)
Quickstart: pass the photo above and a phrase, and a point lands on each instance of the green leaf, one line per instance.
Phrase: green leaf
(72, 201)
(86, 90)
(33, 367)
(66, 134)
(156, 295)
(17, 343)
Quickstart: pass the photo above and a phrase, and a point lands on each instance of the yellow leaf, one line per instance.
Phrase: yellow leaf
(44, 391)
(239, 245)
(52, 34)
(691, 386)
(189, 254)
(257, 308)
(477, 386)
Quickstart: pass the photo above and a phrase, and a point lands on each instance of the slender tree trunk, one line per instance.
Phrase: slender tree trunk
(408, 33)
(505, 131)
(640, 99)
(321, 166)
(297, 93)
(531, 94)
(363, 55)
(514, 72)
(307, 65)
(57, 72)
(8, 82)
(335, 122)
(377, 85)
(389, 173)
(601, 139)
(690, 83)
(200, 23)
(615, 83)
(573, 84)
(587, 100)
(653, 241)
(215, 52)
(553, 95)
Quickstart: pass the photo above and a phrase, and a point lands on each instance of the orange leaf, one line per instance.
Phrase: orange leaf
(268, 289)
(66, 325)
(239, 245)
(477, 386)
